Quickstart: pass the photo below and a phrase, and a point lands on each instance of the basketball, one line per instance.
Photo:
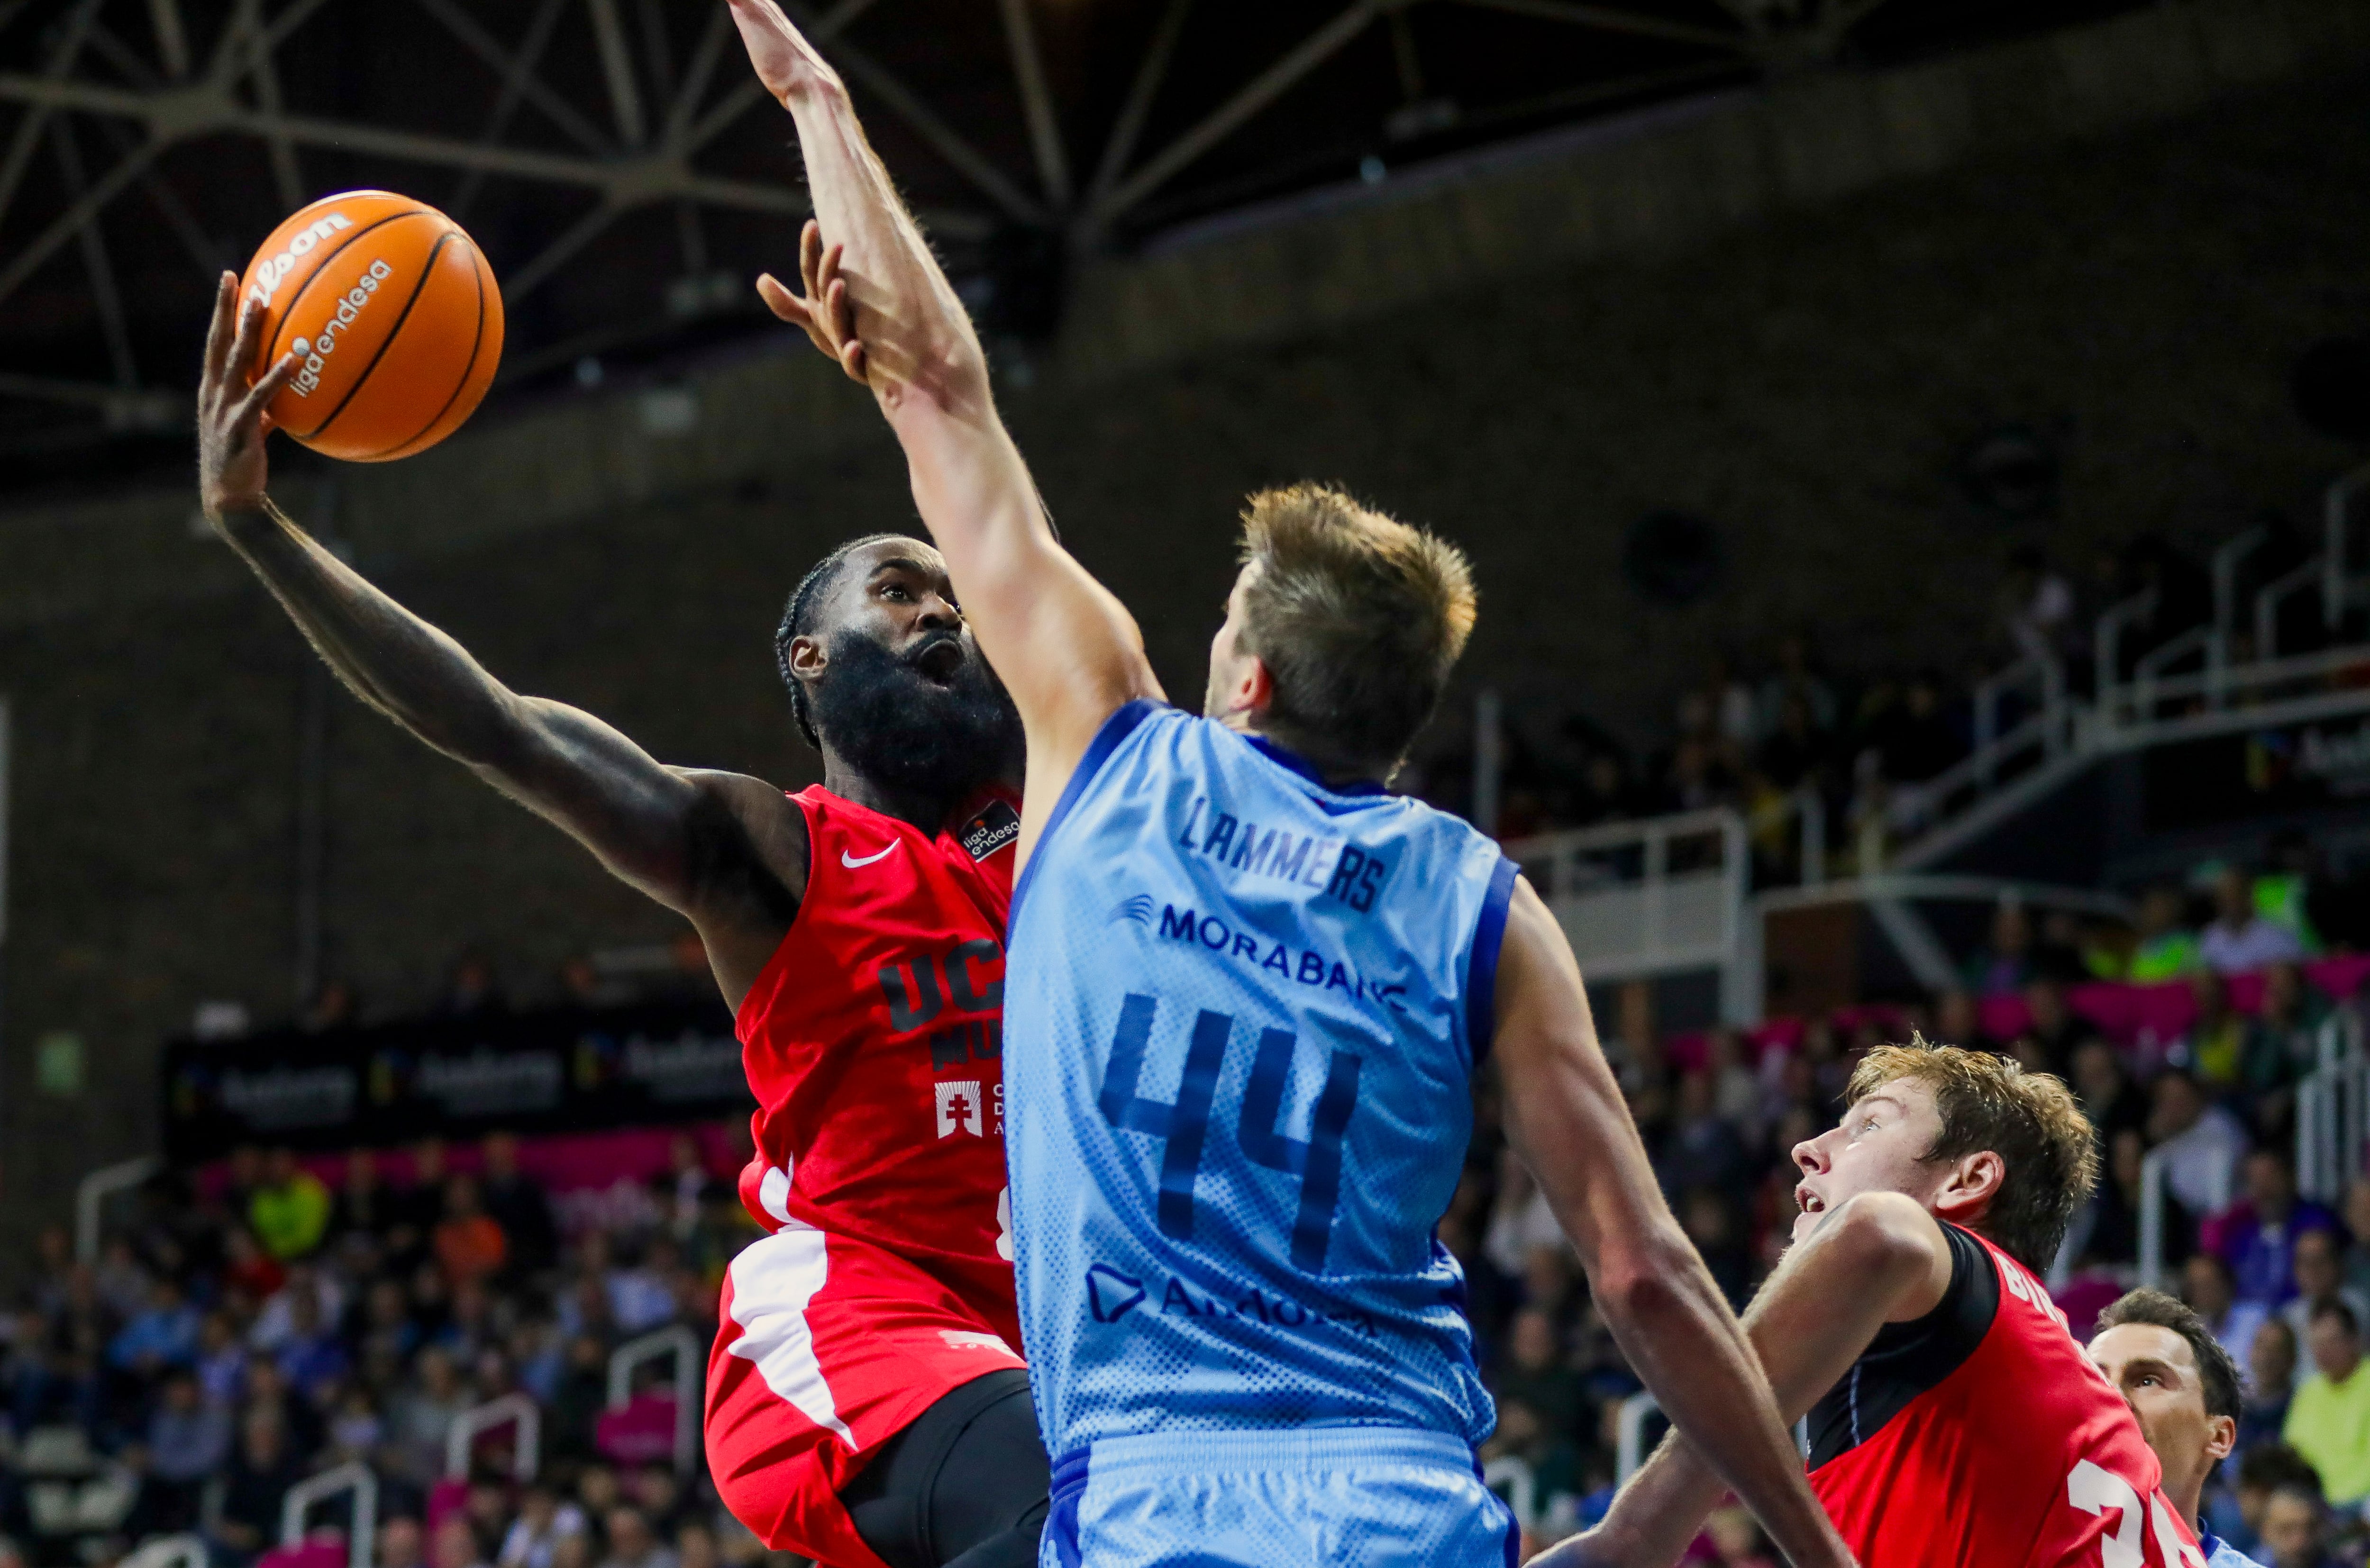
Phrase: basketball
(398, 317)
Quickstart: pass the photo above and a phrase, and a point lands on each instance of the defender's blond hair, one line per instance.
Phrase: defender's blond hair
(2029, 1119)
(1359, 619)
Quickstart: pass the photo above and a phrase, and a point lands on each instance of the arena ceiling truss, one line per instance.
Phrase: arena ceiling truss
(627, 177)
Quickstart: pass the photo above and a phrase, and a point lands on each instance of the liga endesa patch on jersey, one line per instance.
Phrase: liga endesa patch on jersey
(995, 826)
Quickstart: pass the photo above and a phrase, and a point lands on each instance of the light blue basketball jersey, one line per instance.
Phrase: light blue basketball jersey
(1243, 1009)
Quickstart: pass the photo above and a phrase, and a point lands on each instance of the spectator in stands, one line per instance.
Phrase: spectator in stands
(400, 1544)
(2109, 1097)
(2262, 1472)
(164, 1334)
(543, 1519)
(418, 1206)
(290, 1209)
(363, 1206)
(2056, 1028)
(2257, 1234)
(2328, 1420)
(1700, 1149)
(632, 1544)
(2357, 1224)
(2166, 949)
(2241, 939)
(260, 1474)
(424, 1414)
(2271, 1383)
(455, 1544)
(2004, 967)
(311, 1357)
(2295, 1528)
(2201, 1141)
(337, 1004)
(2317, 1262)
(2207, 1286)
(472, 990)
(2287, 890)
(469, 1243)
(188, 1439)
(518, 1206)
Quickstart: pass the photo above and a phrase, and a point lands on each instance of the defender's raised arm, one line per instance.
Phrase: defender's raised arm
(1565, 1117)
(879, 303)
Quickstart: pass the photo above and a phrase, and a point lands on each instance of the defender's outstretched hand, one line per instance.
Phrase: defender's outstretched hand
(786, 61)
(824, 311)
(232, 422)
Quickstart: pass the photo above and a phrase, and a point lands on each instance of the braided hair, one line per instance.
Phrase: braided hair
(798, 621)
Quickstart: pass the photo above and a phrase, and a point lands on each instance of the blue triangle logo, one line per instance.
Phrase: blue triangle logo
(1110, 1294)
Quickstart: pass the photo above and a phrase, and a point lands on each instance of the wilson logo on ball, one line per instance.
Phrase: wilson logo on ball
(393, 315)
(267, 276)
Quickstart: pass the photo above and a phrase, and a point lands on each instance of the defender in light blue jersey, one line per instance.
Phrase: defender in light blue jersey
(1245, 990)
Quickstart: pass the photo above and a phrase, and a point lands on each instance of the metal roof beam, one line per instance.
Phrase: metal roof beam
(172, 38)
(1262, 90)
(96, 264)
(617, 68)
(1150, 72)
(246, 24)
(68, 224)
(1037, 102)
(1606, 18)
(519, 80)
(29, 130)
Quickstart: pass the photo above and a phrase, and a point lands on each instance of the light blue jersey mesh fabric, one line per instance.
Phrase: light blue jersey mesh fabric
(1330, 1498)
(1241, 1010)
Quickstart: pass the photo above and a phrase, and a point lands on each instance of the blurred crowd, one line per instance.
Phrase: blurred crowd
(237, 1336)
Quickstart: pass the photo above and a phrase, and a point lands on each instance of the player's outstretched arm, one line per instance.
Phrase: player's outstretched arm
(1567, 1120)
(672, 833)
(1879, 1258)
(877, 302)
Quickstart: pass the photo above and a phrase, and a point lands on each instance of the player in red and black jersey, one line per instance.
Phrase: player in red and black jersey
(1954, 1421)
(867, 1402)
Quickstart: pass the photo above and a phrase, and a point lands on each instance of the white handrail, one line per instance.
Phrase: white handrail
(527, 1449)
(2151, 1258)
(361, 1538)
(1515, 1473)
(2108, 638)
(2148, 670)
(684, 1345)
(1629, 1442)
(185, 1551)
(2226, 575)
(2336, 552)
(2267, 603)
(91, 1193)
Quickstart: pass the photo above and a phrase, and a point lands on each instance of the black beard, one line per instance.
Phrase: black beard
(899, 727)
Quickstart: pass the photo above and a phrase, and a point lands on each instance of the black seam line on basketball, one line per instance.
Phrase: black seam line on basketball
(288, 315)
(427, 271)
(468, 368)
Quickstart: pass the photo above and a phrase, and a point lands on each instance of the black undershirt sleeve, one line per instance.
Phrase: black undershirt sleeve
(1904, 1360)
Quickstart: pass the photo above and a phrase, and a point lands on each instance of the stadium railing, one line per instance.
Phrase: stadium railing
(361, 1534)
(685, 1346)
(512, 1409)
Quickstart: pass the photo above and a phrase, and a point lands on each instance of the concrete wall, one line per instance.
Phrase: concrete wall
(1786, 311)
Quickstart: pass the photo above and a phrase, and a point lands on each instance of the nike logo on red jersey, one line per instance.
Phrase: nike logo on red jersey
(850, 862)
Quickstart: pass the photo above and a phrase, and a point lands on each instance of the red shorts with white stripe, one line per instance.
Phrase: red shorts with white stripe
(828, 1346)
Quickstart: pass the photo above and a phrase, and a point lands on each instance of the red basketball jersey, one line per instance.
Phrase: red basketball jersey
(1981, 1436)
(873, 1041)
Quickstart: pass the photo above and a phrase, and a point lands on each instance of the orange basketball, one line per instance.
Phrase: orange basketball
(398, 317)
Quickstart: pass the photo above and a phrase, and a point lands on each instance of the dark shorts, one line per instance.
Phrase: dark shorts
(963, 1486)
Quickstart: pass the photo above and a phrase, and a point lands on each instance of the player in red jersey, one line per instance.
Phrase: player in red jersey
(866, 1404)
(1954, 1421)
